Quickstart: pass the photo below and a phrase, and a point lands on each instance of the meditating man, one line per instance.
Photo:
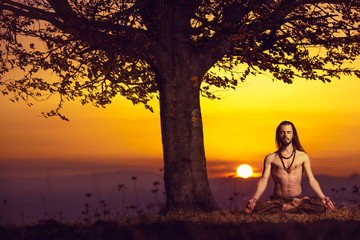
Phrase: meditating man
(286, 166)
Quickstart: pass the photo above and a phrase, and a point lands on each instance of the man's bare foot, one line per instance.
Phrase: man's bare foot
(294, 204)
(287, 207)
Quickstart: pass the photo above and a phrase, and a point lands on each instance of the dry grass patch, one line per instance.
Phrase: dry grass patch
(345, 213)
(343, 223)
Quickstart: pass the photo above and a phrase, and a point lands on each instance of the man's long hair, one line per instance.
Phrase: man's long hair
(295, 140)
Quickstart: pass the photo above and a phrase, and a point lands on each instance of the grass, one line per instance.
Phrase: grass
(343, 223)
(345, 213)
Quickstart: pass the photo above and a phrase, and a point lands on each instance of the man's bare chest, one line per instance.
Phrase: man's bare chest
(287, 165)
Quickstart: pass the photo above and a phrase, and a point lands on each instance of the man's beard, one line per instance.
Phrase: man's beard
(285, 143)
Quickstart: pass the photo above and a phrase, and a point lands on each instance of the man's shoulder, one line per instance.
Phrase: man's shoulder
(301, 154)
(271, 156)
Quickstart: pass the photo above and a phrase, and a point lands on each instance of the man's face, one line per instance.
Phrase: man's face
(286, 134)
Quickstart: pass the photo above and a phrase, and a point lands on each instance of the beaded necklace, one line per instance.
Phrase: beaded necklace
(287, 169)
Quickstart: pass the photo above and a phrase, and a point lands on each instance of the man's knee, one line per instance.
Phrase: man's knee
(313, 205)
(268, 207)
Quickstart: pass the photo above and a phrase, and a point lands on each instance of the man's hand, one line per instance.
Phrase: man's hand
(328, 203)
(250, 206)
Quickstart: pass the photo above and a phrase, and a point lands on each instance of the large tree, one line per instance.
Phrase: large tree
(169, 49)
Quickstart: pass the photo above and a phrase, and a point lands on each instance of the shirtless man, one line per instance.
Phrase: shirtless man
(286, 166)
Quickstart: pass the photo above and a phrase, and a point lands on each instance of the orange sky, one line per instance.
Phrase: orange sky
(238, 129)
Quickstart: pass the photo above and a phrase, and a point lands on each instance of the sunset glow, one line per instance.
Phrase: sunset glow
(238, 128)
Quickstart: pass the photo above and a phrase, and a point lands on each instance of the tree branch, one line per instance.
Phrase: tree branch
(30, 12)
(99, 34)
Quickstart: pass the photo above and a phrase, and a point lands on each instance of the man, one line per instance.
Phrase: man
(286, 166)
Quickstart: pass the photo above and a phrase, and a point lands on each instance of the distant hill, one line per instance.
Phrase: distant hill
(28, 199)
(66, 197)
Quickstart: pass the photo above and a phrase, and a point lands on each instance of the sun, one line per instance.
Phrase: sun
(244, 171)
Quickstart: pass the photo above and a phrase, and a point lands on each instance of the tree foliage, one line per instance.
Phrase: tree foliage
(101, 48)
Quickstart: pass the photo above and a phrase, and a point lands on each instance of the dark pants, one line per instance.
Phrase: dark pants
(299, 204)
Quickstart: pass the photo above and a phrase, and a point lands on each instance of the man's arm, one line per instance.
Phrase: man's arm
(261, 185)
(314, 185)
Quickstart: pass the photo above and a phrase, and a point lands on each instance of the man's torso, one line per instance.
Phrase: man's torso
(287, 183)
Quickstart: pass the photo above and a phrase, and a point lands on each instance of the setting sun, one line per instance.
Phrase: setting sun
(244, 171)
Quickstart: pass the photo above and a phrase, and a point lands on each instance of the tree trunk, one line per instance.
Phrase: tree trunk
(178, 70)
(185, 172)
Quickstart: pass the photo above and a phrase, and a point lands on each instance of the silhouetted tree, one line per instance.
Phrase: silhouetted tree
(140, 49)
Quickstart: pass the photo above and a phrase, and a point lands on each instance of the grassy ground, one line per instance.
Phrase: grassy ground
(343, 223)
